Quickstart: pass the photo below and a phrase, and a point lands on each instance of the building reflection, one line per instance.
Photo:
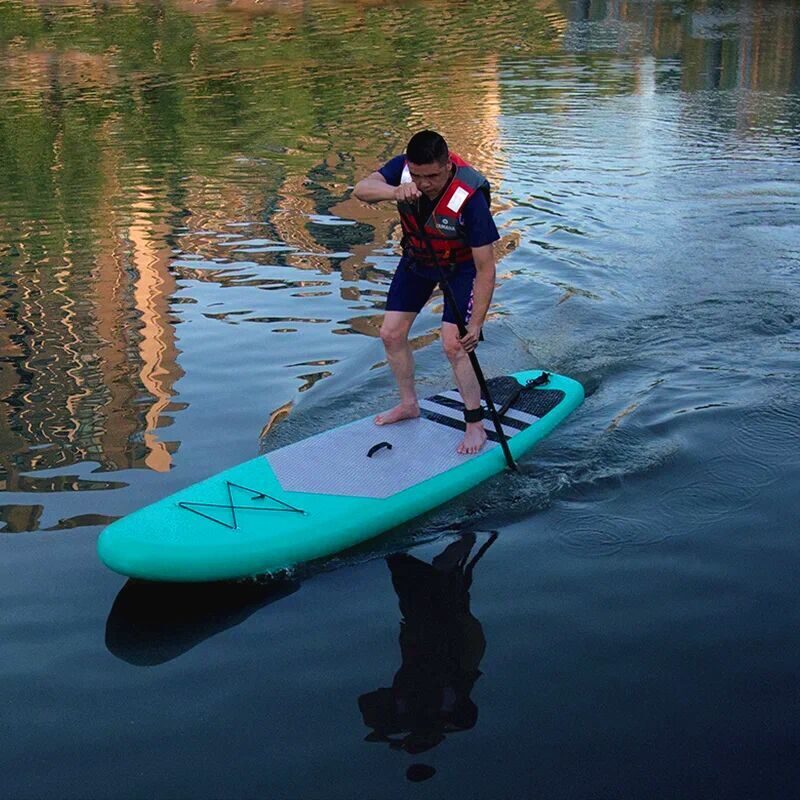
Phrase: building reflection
(92, 346)
(89, 344)
(441, 647)
(152, 288)
(742, 44)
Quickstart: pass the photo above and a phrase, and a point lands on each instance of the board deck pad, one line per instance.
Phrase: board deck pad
(317, 497)
(420, 448)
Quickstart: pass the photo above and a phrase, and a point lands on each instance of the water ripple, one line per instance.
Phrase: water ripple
(770, 431)
(705, 500)
(584, 533)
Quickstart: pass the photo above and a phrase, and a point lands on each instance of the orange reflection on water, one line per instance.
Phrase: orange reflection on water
(157, 351)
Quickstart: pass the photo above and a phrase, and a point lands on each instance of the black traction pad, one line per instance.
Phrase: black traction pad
(536, 400)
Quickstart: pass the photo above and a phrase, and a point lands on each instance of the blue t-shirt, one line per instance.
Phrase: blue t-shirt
(475, 217)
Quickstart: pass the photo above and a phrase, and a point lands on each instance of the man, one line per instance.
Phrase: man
(447, 225)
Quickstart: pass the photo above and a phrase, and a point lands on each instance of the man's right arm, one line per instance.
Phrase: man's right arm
(374, 189)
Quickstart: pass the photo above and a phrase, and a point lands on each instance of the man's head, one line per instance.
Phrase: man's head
(429, 162)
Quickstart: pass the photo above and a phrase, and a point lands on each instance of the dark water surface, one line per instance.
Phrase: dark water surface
(185, 282)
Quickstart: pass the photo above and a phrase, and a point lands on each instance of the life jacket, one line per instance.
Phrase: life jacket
(444, 228)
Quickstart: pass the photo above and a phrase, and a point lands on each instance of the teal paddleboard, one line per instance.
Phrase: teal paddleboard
(331, 491)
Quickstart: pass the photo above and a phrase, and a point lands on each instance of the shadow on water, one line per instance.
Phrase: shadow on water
(152, 623)
(441, 646)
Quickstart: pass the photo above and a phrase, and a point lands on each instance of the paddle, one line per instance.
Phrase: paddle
(462, 331)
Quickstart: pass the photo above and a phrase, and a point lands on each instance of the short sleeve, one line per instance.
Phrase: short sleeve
(478, 224)
(392, 170)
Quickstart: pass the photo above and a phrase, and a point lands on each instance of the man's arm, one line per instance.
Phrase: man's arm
(482, 294)
(374, 188)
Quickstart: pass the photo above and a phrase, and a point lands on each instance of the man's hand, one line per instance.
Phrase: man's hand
(470, 340)
(407, 192)
(374, 189)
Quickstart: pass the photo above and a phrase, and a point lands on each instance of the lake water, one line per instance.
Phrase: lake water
(185, 281)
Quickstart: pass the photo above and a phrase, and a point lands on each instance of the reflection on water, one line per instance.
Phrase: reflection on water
(152, 623)
(134, 167)
(157, 352)
(441, 646)
(18, 518)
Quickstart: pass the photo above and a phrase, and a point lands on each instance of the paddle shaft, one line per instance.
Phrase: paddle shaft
(462, 330)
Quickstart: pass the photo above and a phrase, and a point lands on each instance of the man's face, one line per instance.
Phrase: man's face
(430, 178)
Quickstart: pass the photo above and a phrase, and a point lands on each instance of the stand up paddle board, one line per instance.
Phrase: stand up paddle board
(331, 491)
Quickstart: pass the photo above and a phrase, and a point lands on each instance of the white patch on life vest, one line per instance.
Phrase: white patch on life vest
(406, 176)
(457, 200)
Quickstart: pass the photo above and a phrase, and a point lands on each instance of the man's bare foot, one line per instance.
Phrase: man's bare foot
(402, 411)
(474, 439)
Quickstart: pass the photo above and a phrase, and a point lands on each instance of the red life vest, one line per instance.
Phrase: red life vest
(444, 227)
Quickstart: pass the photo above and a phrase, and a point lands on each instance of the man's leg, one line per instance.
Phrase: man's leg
(394, 334)
(468, 386)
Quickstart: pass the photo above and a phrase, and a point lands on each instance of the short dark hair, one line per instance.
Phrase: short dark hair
(426, 147)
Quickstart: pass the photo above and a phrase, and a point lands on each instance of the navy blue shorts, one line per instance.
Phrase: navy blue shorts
(412, 287)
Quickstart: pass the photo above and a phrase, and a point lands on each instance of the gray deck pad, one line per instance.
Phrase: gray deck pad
(336, 462)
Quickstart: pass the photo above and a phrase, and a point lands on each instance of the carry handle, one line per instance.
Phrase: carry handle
(374, 449)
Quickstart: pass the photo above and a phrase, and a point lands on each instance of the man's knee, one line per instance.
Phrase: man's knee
(394, 336)
(452, 347)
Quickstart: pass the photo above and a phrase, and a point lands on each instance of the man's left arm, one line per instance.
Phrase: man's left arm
(482, 294)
